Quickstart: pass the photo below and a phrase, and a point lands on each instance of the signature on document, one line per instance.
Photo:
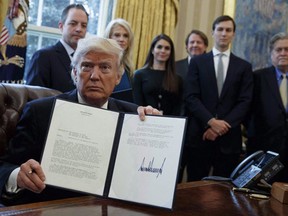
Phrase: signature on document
(150, 168)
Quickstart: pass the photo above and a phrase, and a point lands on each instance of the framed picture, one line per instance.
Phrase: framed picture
(256, 22)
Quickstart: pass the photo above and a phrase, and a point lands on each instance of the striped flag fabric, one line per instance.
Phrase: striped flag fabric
(4, 36)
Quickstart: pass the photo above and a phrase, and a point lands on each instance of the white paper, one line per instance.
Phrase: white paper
(78, 147)
(78, 150)
(147, 160)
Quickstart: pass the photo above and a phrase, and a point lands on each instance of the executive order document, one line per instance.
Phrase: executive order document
(98, 149)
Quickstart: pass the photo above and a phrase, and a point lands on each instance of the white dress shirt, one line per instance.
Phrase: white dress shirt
(225, 59)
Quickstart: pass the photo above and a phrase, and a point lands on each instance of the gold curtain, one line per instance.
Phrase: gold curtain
(229, 7)
(147, 18)
(3, 12)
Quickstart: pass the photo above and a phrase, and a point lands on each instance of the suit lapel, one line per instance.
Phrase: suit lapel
(211, 72)
(186, 65)
(72, 95)
(112, 105)
(64, 57)
(270, 78)
(229, 75)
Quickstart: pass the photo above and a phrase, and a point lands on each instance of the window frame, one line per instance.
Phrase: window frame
(50, 32)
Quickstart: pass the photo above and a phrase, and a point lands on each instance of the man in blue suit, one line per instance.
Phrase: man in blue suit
(50, 66)
(217, 101)
(97, 69)
(269, 127)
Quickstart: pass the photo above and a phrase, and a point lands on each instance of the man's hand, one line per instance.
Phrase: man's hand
(147, 110)
(210, 135)
(31, 176)
(220, 127)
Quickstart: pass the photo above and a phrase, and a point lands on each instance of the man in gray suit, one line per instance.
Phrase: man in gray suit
(97, 69)
(196, 44)
(50, 66)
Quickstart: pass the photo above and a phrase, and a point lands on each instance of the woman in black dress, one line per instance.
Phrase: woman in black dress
(157, 83)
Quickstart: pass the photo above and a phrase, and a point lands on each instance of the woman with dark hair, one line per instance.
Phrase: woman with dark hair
(157, 83)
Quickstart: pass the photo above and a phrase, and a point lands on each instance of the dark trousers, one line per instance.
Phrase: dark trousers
(183, 164)
(201, 160)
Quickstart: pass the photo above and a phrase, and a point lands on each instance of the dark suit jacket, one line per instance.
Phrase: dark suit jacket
(203, 102)
(182, 70)
(269, 128)
(182, 67)
(50, 67)
(30, 139)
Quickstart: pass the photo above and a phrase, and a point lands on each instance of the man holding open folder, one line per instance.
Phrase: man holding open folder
(97, 68)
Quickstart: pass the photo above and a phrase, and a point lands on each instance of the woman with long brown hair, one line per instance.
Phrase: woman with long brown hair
(157, 83)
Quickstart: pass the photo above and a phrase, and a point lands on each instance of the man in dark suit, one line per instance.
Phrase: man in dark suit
(217, 101)
(97, 67)
(196, 44)
(50, 67)
(269, 128)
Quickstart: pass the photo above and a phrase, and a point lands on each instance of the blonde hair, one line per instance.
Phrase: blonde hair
(128, 53)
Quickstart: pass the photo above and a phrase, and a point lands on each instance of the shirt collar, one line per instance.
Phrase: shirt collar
(278, 73)
(82, 101)
(189, 58)
(216, 52)
(68, 49)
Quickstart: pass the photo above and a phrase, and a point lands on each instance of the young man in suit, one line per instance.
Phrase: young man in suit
(97, 67)
(196, 44)
(217, 101)
(269, 128)
(50, 66)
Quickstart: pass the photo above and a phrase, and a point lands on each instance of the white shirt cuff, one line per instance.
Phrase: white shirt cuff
(11, 184)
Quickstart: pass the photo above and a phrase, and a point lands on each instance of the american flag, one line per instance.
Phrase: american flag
(4, 36)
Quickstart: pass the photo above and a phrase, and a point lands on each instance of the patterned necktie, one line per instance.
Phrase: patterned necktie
(283, 90)
(220, 74)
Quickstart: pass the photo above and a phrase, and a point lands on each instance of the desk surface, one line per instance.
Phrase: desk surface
(193, 199)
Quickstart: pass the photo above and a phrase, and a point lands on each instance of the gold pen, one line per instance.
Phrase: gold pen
(249, 191)
(244, 190)
(258, 196)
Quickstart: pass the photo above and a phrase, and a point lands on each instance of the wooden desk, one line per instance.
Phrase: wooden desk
(194, 199)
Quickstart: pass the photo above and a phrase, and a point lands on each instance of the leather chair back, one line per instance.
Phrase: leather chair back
(13, 98)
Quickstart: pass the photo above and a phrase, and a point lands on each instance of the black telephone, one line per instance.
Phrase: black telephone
(256, 167)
